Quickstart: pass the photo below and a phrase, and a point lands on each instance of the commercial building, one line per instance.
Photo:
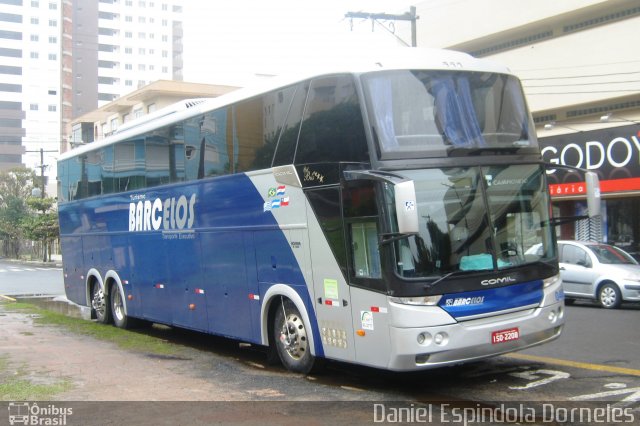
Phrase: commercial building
(580, 66)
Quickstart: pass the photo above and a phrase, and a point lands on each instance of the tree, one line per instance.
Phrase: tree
(43, 226)
(15, 186)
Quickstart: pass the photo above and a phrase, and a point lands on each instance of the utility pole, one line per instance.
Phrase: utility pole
(42, 166)
(407, 16)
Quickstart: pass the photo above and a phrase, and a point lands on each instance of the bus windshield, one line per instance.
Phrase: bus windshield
(435, 113)
(476, 218)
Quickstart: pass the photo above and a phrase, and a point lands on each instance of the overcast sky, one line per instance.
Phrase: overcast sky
(230, 42)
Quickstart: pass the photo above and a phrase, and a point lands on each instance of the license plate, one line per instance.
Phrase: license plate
(505, 335)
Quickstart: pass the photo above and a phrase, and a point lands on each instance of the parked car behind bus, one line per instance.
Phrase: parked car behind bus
(598, 271)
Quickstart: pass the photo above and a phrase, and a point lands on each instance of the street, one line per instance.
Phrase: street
(20, 278)
(597, 359)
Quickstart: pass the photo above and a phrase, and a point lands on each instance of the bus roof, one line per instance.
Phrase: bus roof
(379, 60)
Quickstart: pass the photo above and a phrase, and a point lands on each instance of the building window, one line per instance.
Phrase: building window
(128, 82)
(34, 55)
(53, 39)
(128, 50)
(35, 3)
(33, 107)
(35, 21)
(142, 67)
(142, 51)
(114, 124)
(128, 18)
(53, 23)
(142, 20)
(128, 67)
(128, 34)
(53, 56)
(53, 108)
(34, 37)
(53, 6)
(53, 92)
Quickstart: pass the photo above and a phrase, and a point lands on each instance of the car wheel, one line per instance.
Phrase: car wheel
(609, 296)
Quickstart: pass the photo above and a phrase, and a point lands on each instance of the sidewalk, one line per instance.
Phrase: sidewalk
(55, 262)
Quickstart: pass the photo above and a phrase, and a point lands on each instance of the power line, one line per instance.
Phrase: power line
(581, 76)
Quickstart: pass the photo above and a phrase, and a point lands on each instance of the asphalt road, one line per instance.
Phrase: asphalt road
(596, 360)
(20, 278)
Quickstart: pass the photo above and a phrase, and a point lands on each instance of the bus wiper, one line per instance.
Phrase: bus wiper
(394, 236)
(444, 277)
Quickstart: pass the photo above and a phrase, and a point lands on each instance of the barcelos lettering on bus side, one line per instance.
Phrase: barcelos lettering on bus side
(169, 214)
(276, 198)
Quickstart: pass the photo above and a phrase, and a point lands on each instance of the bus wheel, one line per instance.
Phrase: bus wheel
(120, 319)
(290, 338)
(99, 304)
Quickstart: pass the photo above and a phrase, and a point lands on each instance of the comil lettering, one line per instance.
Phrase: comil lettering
(168, 214)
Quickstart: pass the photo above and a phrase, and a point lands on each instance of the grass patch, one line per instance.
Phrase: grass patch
(125, 339)
(14, 386)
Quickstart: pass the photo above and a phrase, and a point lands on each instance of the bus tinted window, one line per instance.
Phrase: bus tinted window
(289, 135)
(129, 167)
(332, 129)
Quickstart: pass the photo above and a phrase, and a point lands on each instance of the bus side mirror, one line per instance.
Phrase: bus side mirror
(593, 194)
(406, 208)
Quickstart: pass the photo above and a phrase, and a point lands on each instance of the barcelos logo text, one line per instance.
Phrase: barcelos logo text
(175, 213)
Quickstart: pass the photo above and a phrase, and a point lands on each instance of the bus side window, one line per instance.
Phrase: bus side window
(286, 145)
(332, 129)
(248, 136)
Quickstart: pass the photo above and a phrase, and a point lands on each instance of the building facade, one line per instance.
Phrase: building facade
(580, 67)
(60, 59)
(30, 72)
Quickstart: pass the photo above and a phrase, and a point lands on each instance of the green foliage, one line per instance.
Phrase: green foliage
(23, 216)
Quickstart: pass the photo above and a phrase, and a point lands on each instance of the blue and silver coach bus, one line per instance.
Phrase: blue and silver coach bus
(380, 215)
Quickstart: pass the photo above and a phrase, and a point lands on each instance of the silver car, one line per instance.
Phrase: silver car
(598, 271)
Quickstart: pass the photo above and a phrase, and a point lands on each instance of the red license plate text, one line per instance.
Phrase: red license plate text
(505, 335)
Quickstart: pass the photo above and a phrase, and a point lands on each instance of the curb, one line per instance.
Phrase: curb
(59, 304)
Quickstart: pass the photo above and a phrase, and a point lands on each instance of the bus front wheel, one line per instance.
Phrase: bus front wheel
(290, 338)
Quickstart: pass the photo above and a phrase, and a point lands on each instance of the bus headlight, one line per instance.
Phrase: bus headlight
(417, 301)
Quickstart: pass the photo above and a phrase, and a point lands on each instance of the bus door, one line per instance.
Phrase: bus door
(332, 295)
(368, 291)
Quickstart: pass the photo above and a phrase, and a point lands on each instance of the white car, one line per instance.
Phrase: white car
(598, 271)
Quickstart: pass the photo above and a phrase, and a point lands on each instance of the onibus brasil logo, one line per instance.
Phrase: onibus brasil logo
(27, 413)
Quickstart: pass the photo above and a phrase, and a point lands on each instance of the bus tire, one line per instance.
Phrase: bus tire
(99, 304)
(120, 318)
(290, 338)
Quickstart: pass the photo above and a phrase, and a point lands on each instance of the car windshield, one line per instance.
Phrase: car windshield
(611, 255)
(436, 113)
(476, 218)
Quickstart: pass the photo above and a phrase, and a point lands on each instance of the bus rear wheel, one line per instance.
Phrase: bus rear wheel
(99, 304)
(120, 318)
(290, 338)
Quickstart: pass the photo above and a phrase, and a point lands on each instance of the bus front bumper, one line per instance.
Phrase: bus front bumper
(430, 347)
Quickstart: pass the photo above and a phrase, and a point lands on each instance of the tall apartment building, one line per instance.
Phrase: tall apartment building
(30, 92)
(120, 46)
(579, 63)
(60, 59)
